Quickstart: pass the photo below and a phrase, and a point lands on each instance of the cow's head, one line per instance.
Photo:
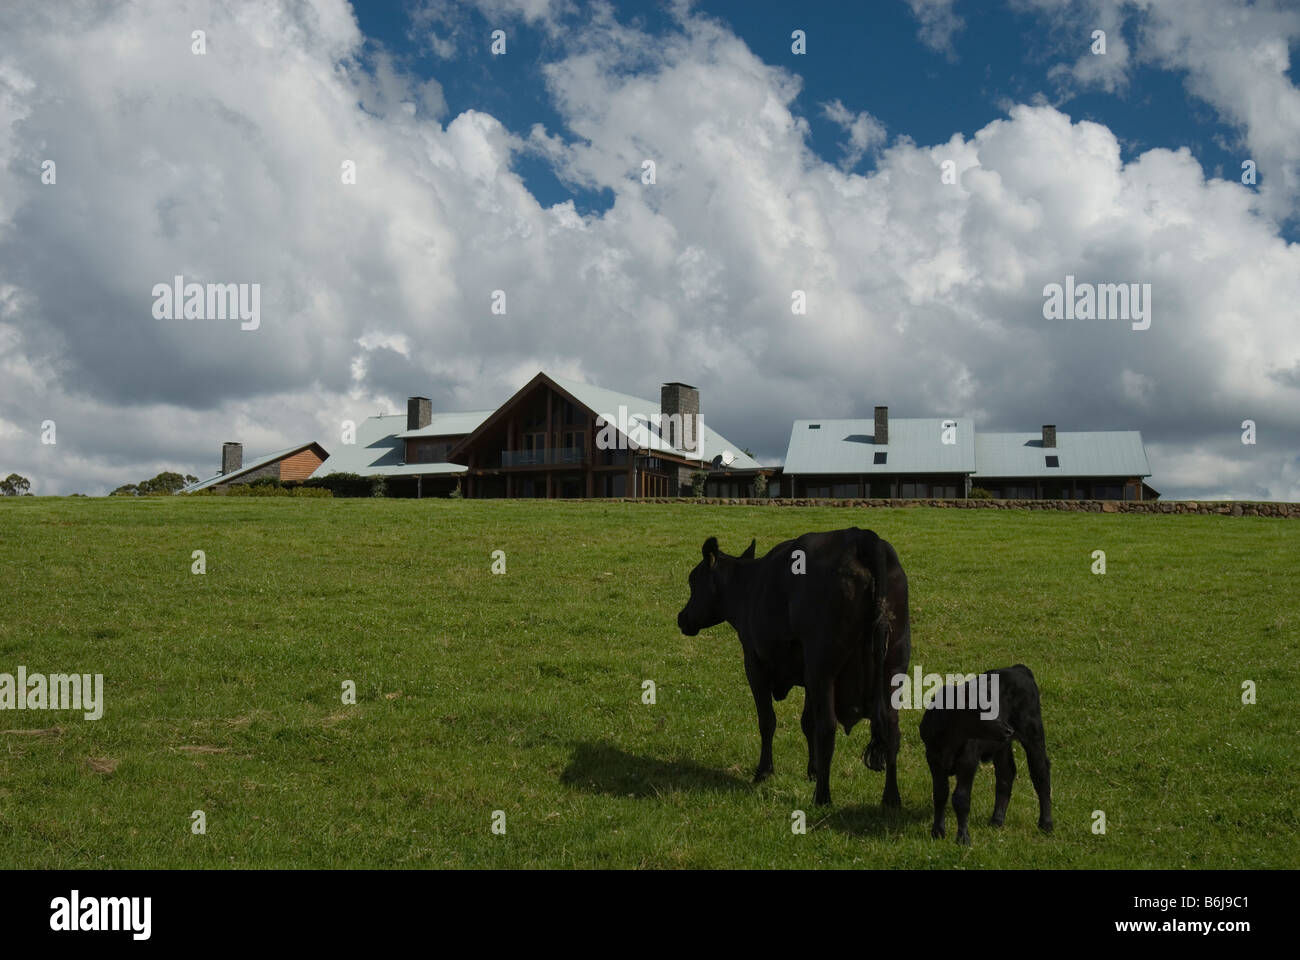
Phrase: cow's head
(707, 580)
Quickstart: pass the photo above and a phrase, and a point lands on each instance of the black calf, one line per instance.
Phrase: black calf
(957, 740)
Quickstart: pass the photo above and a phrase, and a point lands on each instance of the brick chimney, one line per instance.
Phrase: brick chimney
(680, 405)
(882, 426)
(1049, 434)
(232, 457)
(419, 412)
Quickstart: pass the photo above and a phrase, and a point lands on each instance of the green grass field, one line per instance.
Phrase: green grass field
(523, 692)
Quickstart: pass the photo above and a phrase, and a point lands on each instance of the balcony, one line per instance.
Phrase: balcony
(555, 456)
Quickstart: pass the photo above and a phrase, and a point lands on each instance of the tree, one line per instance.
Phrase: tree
(14, 486)
(166, 482)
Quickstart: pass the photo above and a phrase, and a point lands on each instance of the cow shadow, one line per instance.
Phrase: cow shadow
(871, 819)
(602, 768)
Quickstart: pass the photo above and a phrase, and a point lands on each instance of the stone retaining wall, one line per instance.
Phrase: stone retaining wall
(1232, 508)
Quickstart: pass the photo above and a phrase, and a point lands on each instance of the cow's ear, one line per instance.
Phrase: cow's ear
(710, 550)
(749, 551)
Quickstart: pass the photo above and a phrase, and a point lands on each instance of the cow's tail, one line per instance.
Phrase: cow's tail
(875, 555)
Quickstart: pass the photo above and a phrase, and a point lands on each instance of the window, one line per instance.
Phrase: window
(844, 491)
(909, 490)
(817, 490)
(432, 452)
(881, 455)
(1053, 461)
(814, 426)
(944, 490)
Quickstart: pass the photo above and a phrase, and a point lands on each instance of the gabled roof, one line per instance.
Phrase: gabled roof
(379, 452)
(449, 425)
(252, 465)
(605, 403)
(849, 447)
(1101, 453)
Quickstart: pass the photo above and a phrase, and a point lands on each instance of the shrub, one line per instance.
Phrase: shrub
(312, 492)
(343, 484)
(256, 490)
(979, 493)
(698, 479)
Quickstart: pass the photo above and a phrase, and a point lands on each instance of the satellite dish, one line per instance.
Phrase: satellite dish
(727, 458)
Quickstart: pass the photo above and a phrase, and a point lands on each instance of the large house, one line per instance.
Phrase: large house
(948, 457)
(562, 438)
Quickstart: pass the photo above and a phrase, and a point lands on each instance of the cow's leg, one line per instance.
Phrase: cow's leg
(1004, 768)
(891, 799)
(760, 686)
(809, 732)
(1040, 774)
(940, 778)
(967, 764)
(823, 709)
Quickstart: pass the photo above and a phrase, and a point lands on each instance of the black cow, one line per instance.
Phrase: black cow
(833, 620)
(958, 740)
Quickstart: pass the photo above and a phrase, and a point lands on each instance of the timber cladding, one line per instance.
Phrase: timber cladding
(299, 467)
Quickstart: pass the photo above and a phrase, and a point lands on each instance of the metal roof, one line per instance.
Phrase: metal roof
(450, 425)
(605, 403)
(1101, 453)
(849, 447)
(379, 452)
(251, 465)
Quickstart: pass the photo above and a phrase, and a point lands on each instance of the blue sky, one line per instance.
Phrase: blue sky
(869, 57)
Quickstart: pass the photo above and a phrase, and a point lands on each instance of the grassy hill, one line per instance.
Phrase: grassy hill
(522, 692)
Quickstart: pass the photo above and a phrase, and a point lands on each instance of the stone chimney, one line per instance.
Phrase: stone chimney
(680, 405)
(232, 457)
(419, 412)
(882, 426)
(1049, 434)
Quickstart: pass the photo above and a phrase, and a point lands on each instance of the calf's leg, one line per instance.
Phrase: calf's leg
(1004, 768)
(967, 764)
(1040, 774)
(939, 777)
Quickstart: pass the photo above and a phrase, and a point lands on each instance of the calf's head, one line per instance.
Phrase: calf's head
(707, 582)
